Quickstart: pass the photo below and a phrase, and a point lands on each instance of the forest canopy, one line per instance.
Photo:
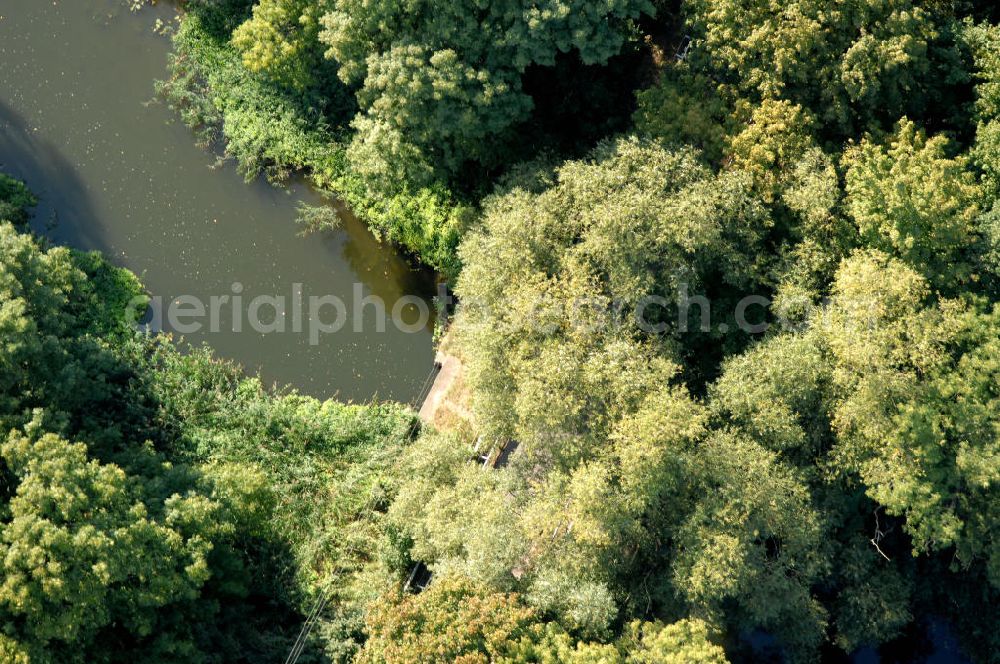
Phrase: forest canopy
(678, 488)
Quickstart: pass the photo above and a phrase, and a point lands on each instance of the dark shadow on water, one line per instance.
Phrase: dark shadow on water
(65, 212)
(926, 641)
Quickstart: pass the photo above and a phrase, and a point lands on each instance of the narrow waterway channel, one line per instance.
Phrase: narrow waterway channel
(117, 172)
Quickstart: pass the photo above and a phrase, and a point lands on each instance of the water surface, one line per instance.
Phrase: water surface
(117, 172)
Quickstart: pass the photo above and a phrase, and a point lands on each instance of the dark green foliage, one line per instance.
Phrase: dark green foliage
(441, 83)
(15, 201)
(684, 108)
(263, 127)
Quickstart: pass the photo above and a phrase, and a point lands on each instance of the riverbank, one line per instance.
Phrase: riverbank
(267, 131)
(118, 173)
(448, 406)
(199, 515)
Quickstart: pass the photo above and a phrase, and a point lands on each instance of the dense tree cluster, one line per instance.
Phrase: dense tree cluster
(438, 85)
(831, 482)
(849, 61)
(442, 83)
(415, 105)
(455, 620)
(747, 343)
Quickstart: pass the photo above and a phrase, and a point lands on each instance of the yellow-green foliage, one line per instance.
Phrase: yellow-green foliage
(909, 198)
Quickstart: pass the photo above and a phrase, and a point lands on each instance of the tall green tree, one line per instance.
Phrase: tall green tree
(98, 563)
(846, 61)
(912, 416)
(281, 39)
(912, 199)
(445, 80)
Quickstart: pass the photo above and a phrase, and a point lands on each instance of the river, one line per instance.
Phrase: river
(117, 172)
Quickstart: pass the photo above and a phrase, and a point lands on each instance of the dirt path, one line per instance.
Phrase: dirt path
(451, 369)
